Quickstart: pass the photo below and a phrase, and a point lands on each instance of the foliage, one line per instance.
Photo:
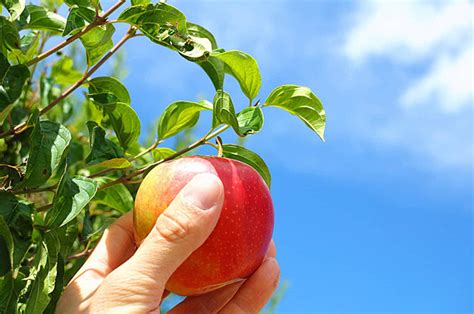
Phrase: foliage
(71, 162)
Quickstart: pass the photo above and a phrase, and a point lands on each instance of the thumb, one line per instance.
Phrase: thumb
(180, 229)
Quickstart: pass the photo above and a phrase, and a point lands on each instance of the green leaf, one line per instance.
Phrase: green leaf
(66, 235)
(195, 49)
(166, 25)
(244, 68)
(93, 4)
(125, 122)
(202, 41)
(58, 287)
(17, 216)
(14, 7)
(16, 213)
(87, 229)
(13, 228)
(301, 102)
(215, 69)
(45, 274)
(10, 290)
(8, 295)
(95, 54)
(139, 2)
(6, 248)
(113, 99)
(107, 89)
(249, 157)
(197, 31)
(42, 19)
(179, 116)
(161, 153)
(224, 112)
(149, 18)
(28, 48)
(102, 149)
(97, 42)
(250, 120)
(9, 37)
(117, 197)
(115, 163)
(72, 196)
(4, 113)
(49, 143)
(63, 71)
(12, 80)
(77, 18)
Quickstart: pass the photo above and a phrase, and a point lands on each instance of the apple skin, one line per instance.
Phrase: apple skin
(237, 245)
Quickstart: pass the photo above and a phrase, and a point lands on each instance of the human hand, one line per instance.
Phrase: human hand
(118, 277)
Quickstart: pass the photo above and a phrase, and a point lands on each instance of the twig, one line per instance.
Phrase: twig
(101, 173)
(29, 191)
(80, 254)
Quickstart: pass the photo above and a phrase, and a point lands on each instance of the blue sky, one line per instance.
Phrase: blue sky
(379, 217)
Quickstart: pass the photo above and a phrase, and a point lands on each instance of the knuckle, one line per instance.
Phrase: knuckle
(174, 227)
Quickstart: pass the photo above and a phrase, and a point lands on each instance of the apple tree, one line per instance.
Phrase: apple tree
(70, 155)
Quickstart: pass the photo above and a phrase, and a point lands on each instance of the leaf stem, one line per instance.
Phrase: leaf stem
(99, 20)
(146, 151)
(201, 141)
(220, 148)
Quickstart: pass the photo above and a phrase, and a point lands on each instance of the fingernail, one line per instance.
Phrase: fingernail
(204, 191)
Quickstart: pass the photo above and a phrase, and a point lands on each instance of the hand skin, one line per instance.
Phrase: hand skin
(119, 278)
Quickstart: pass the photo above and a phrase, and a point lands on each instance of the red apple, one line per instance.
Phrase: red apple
(237, 245)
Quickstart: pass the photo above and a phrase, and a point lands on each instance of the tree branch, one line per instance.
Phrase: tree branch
(99, 20)
(22, 126)
(73, 87)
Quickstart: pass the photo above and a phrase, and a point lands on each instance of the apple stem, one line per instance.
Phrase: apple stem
(220, 150)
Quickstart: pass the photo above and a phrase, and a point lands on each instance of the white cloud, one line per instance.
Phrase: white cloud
(430, 45)
(413, 32)
(406, 30)
(449, 81)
